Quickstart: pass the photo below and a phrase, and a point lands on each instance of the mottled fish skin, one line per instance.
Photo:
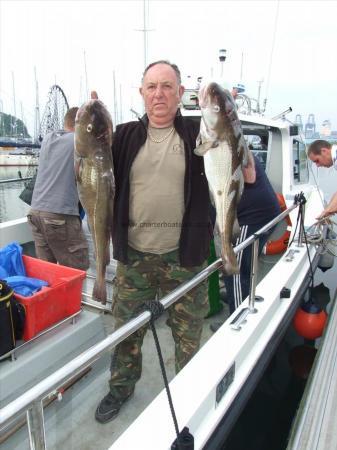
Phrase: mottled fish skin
(95, 182)
(225, 151)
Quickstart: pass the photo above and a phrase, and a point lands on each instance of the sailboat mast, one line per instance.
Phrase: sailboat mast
(145, 32)
(14, 109)
(37, 110)
(86, 77)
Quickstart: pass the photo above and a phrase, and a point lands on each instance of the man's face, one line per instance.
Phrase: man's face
(322, 160)
(161, 93)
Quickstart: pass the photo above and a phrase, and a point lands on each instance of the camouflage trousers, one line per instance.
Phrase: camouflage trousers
(146, 277)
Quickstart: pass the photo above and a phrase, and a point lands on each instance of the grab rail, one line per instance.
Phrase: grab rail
(31, 400)
(15, 180)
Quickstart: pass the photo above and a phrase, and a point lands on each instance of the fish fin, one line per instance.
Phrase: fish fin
(229, 261)
(202, 149)
(107, 256)
(99, 291)
(78, 169)
(236, 230)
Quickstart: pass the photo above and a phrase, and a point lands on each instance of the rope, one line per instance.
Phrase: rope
(156, 309)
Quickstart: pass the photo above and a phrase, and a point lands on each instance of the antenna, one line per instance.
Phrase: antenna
(283, 114)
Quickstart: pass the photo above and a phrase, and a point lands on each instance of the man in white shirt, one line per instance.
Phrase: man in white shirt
(324, 154)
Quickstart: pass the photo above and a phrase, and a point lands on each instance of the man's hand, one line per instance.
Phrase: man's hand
(330, 209)
(94, 95)
(249, 173)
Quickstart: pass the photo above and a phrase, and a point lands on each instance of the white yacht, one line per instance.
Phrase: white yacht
(54, 382)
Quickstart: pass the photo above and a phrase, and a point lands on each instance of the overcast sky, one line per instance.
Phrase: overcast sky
(290, 45)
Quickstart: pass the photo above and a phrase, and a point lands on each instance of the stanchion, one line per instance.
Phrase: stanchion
(215, 304)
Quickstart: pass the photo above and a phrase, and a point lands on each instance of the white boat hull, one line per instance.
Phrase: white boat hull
(18, 160)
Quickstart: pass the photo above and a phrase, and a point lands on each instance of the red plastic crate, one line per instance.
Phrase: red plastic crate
(52, 303)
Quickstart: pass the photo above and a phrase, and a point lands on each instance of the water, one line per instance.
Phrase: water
(11, 207)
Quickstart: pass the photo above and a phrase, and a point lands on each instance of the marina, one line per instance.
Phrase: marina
(210, 393)
(19, 157)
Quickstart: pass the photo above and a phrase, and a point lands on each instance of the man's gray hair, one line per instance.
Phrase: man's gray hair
(164, 61)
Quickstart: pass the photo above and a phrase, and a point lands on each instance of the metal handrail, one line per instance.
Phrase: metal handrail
(54, 381)
(15, 180)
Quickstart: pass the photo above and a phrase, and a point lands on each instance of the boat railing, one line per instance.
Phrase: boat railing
(31, 401)
(15, 180)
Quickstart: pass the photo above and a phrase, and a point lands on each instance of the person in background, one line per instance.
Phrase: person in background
(258, 206)
(54, 215)
(161, 229)
(324, 154)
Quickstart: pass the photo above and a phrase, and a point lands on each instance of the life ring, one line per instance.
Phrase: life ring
(279, 245)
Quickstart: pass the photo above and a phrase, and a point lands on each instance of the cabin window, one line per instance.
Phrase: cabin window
(259, 147)
(300, 162)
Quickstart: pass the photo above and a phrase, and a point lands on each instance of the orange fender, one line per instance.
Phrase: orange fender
(279, 245)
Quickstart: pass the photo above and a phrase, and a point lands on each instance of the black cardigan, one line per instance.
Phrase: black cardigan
(196, 229)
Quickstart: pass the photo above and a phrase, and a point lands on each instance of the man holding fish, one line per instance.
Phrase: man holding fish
(161, 224)
(161, 227)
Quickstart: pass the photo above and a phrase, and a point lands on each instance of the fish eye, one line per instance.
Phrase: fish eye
(216, 108)
(89, 128)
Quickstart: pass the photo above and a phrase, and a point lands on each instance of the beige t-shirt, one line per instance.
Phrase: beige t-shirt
(157, 193)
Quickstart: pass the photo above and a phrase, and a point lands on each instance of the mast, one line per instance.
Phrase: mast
(145, 31)
(241, 70)
(37, 110)
(86, 77)
(115, 99)
(120, 105)
(14, 125)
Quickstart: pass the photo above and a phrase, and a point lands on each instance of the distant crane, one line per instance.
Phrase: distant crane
(310, 127)
(299, 123)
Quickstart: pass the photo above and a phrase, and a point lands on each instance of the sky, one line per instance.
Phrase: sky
(288, 47)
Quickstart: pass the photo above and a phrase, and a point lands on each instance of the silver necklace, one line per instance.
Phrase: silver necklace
(158, 141)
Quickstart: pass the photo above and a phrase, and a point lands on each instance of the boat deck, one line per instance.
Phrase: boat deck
(66, 420)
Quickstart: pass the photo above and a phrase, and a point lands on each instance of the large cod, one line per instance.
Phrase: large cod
(225, 152)
(95, 182)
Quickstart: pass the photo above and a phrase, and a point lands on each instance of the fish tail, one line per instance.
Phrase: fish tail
(230, 264)
(229, 261)
(99, 291)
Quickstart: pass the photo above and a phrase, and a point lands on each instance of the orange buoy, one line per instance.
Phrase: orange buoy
(274, 247)
(309, 321)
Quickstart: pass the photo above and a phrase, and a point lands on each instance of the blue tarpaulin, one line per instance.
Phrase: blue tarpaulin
(12, 270)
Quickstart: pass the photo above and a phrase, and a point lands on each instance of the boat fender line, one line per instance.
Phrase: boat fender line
(274, 247)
